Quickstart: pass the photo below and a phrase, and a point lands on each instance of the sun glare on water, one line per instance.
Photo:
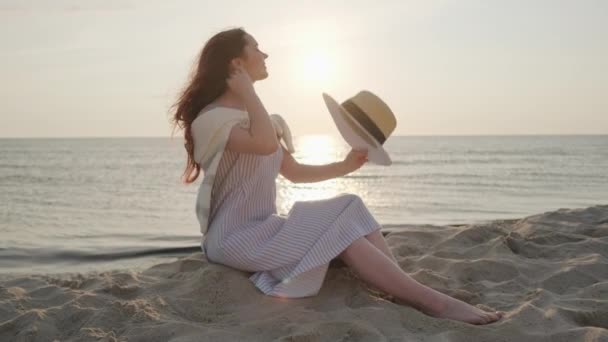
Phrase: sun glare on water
(316, 150)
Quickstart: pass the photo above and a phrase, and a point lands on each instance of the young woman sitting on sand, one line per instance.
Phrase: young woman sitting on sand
(289, 254)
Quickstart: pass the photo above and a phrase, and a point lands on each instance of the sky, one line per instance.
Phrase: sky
(88, 68)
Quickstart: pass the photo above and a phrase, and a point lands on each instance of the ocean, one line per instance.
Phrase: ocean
(95, 204)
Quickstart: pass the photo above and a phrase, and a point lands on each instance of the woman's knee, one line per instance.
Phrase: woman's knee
(375, 234)
(352, 197)
(353, 245)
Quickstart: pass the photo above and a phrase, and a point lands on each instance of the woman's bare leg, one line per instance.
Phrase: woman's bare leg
(375, 268)
(378, 240)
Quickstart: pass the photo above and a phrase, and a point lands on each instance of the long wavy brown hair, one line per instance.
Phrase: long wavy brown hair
(208, 80)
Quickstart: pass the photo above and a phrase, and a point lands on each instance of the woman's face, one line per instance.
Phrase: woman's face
(253, 60)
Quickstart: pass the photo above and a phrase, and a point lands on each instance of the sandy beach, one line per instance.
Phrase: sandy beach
(548, 271)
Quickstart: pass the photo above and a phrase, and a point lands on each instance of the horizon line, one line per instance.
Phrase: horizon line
(394, 136)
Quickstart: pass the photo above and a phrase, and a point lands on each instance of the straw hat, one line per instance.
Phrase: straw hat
(365, 122)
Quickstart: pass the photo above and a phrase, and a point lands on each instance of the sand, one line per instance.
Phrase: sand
(549, 272)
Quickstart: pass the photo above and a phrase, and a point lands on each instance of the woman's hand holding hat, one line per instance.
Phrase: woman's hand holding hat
(355, 159)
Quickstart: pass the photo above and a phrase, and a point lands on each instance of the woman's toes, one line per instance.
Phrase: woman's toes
(486, 318)
(482, 318)
(495, 316)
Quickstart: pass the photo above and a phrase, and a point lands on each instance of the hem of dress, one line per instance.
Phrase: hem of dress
(361, 232)
(211, 239)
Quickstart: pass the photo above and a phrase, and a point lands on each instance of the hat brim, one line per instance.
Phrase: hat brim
(375, 151)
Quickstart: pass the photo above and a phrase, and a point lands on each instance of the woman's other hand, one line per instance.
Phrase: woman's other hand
(239, 81)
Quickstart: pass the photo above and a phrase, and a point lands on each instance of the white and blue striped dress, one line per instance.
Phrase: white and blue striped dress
(288, 254)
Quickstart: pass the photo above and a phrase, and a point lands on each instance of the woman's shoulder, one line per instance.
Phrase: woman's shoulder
(219, 114)
(211, 106)
(216, 106)
(209, 109)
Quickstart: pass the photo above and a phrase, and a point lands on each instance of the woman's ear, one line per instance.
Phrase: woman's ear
(235, 63)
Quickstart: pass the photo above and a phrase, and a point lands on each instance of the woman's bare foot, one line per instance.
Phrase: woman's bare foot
(458, 310)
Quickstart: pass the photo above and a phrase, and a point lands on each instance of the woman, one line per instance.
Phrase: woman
(289, 254)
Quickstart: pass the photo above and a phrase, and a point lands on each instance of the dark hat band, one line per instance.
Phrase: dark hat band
(364, 120)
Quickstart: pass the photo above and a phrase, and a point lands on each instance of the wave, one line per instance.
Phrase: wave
(17, 256)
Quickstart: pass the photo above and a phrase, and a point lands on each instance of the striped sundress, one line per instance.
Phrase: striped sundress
(288, 254)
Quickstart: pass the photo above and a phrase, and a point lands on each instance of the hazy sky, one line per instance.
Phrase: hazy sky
(114, 67)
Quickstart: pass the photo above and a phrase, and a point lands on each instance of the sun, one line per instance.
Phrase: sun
(317, 68)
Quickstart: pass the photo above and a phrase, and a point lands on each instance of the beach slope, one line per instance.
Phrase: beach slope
(548, 271)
